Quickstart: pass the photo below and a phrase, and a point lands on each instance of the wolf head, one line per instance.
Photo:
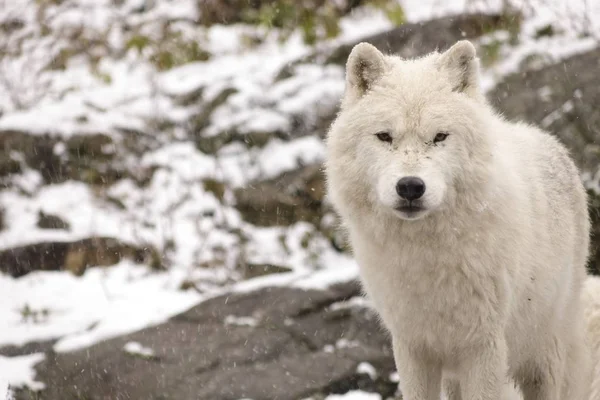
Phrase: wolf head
(410, 138)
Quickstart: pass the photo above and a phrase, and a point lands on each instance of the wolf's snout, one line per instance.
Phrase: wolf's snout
(410, 188)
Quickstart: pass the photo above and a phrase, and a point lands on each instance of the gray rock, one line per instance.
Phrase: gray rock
(292, 197)
(275, 343)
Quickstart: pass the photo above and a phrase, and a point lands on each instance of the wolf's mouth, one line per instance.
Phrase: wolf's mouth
(410, 208)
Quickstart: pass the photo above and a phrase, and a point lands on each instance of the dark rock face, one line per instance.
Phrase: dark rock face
(88, 158)
(292, 197)
(29, 348)
(50, 221)
(594, 208)
(72, 256)
(562, 98)
(275, 343)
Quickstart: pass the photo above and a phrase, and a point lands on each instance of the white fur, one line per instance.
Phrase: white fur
(591, 304)
(483, 284)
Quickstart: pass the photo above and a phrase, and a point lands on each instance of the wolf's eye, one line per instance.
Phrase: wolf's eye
(384, 137)
(440, 137)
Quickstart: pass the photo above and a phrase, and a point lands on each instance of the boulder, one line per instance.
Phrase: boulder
(291, 197)
(274, 343)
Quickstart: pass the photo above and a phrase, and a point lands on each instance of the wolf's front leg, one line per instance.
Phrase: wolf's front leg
(451, 388)
(483, 377)
(420, 376)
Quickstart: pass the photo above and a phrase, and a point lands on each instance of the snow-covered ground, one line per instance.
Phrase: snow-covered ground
(123, 93)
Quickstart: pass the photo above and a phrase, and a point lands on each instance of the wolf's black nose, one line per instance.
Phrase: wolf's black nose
(410, 188)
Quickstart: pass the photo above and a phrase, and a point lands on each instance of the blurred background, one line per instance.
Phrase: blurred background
(164, 230)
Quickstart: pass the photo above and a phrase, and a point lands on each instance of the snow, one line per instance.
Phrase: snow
(240, 321)
(234, 164)
(356, 301)
(6, 393)
(86, 215)
(18, 372)
(136, 349)
(354, 395)
(278, 157)
(101, 304)
(556, 114)
(202, 236)
(345, 270)
(368, 369)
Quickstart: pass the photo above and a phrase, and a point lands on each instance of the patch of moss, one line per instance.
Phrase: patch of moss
(138, 42)
(255, 270)
(187, 285)
(116, 202)
(490, 52)
(29, 314)
(176, 51)
(215, 187)
(60, 61)
(152, 257)
(511, 21)
(392, 9)
(283, 242)
(103, 76)
(305, 240)
(170, 51)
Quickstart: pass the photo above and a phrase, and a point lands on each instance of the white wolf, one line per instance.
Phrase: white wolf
(471, 232)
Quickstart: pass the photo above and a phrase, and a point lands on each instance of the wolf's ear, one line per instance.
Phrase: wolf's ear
(365, 66)
(461, 62)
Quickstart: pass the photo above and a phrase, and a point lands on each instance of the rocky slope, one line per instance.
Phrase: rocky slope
(184, 157)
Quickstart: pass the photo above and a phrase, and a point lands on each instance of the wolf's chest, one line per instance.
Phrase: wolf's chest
(432, 303)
